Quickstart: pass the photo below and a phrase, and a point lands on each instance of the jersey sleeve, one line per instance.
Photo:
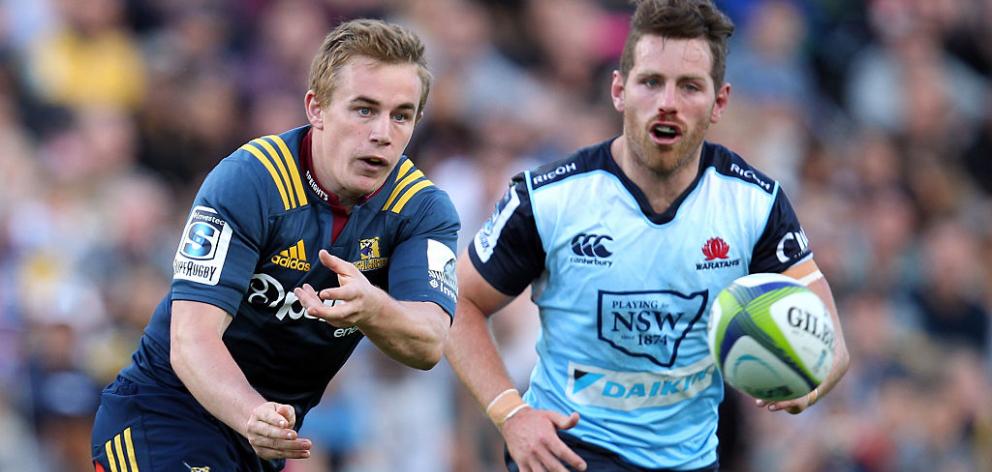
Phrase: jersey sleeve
(219, 247)
(507, 251)
(422, 265)
(783, 243)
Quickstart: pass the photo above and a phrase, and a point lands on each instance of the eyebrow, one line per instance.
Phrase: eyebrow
(649, 74)
(374, 102)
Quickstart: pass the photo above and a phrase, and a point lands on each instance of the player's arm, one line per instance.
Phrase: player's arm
(471, 349)
(410, 332)
(202, 361)
(809, 274)
(506, 255)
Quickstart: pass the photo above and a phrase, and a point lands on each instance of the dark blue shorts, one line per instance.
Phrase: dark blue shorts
(599, 459)
(148, 428)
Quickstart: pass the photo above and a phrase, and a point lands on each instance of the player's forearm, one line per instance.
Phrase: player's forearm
(207, 369)
(472, 353)
(410, 332)
(841, 357)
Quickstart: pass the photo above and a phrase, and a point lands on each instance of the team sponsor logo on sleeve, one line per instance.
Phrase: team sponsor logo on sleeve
(203, 249)
(487, 238)
(595, 386)
(792, 245)
(369, 255)
(649, 324)
(441, 268)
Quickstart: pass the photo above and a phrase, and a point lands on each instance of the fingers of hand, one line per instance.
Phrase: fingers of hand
(565, 422)
(567, 455)
(338, 265)
(287, 412)
(268, 414)
(308, 296)
(295, 451)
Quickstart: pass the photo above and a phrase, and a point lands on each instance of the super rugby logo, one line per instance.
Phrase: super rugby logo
(591, 249)
(649, 324)
(203, 249)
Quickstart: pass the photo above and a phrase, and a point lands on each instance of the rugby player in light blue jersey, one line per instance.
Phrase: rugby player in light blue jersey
(626, 244)
(243, 345)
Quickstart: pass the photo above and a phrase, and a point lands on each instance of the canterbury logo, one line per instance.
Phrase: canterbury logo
(293, 258)
(120, 453)
(591, 245)
(281, 167)
(409, 181)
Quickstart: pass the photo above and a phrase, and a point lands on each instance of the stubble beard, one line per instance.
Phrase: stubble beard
(685, 150)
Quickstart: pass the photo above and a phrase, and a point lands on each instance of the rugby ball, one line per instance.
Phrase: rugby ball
(771, 337)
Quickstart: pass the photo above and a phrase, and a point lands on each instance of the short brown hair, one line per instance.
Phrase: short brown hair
(680, 19)
(375, 39)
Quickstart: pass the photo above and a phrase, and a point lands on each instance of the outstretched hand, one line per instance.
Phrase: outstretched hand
(270, 432)
(352, 302)
(532, 438)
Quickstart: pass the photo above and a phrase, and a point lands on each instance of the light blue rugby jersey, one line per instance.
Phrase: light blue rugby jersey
(624, 292)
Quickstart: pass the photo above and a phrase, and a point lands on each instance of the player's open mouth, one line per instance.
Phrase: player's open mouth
(665, 133)
(374, 161)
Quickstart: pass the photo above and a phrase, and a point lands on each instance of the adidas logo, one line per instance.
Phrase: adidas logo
(293, 258)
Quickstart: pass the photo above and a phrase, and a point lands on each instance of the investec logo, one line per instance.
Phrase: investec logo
(591, 249)
(293, 258)
(590, 385)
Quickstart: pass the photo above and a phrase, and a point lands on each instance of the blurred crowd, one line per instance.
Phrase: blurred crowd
(876, 117)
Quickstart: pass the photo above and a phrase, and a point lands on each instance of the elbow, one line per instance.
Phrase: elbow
(429, 358)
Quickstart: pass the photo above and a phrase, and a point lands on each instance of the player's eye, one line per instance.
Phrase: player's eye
(364, 111)
(651, 82)
(401, 117)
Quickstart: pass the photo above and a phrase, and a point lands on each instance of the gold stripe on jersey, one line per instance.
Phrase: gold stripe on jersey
(120, 453)
(294, 174)
(404, 168)
(271, 151)
(130, 449)
(410, 193)
(302, 250)
(110, 456)
(272, 172)
(402, 185)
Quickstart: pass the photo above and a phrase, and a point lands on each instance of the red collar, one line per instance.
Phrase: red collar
(306, 162)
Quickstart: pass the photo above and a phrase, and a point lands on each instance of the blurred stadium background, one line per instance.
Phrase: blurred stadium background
(876, 116)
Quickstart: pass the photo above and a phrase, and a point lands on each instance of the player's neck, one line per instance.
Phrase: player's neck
(660, 189)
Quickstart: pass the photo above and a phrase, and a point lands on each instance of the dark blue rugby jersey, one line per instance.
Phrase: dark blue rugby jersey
(253, 235)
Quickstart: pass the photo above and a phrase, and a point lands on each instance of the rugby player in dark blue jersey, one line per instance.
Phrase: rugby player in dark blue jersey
(297, 246)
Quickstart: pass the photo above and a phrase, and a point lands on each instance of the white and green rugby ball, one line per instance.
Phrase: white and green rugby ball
(772, 338)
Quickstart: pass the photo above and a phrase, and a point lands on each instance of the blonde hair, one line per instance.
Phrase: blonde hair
(384, 42)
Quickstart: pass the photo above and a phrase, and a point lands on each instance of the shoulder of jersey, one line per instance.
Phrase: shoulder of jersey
(583, 160)
(407, 189)
(274, 159)
(728, 163)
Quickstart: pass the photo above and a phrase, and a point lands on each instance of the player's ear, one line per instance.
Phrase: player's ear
(616, 91)
(315, 113)
(722, 99)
